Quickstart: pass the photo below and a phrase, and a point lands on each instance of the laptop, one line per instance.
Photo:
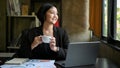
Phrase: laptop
(80, 54)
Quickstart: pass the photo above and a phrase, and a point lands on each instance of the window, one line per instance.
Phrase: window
(105, 17)
(118, 21)
(111, 21)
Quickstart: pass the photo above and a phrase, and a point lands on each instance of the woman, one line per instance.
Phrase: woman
(32, 45)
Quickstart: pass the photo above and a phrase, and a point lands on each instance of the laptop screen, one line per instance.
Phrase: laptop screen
(82, 53)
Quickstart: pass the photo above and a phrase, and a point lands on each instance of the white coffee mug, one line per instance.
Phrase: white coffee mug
(46, 39)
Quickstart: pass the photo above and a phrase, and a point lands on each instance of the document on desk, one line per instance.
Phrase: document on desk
(17, 61)
(33, 63)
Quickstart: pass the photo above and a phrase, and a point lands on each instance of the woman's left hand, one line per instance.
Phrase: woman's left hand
(53, 44)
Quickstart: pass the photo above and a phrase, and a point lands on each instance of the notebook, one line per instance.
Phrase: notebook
(80, 53)
(17, 61)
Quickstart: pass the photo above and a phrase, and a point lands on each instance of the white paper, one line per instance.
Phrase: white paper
(33, 63)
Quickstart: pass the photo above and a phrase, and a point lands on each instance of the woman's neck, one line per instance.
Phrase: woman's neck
(48, 29)
(48, 26)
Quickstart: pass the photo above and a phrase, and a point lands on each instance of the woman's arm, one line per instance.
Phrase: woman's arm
(25, 50)
(63, 45)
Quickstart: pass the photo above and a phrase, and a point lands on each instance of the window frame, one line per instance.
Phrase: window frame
(111, 32)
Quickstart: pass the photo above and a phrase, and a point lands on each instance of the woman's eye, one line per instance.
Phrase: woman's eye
(52, 12)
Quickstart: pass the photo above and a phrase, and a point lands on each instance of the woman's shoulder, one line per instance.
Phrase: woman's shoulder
(60, 30)
(32, 31)
(35, 29)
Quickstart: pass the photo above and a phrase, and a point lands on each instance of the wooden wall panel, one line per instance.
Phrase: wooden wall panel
(2, 25)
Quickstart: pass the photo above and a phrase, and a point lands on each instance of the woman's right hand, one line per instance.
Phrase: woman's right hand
(36, 42)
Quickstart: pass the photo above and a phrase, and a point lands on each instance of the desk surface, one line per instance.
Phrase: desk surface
(29, 63)
(6, 54)
(100, 63)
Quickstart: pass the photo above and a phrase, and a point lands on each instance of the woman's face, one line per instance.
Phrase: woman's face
(52, 15)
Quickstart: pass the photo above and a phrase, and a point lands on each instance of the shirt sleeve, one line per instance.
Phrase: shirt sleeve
(25, 49)
(63, 45)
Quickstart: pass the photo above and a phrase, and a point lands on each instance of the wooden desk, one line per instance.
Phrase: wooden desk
(100, 63)
(29, 63)
(5, 56)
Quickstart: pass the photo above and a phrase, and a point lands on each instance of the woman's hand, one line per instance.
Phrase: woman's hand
(36, 42)
(53, 44)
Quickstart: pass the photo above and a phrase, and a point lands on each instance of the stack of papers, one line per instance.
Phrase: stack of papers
(17, 61)
(32, 63)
